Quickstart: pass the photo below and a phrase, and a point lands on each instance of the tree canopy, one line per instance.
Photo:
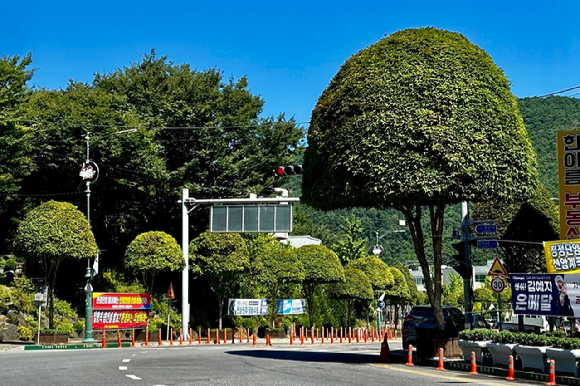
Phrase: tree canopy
(421, 118)
(376, 270)
(220, 258)
(51, 233)
(356, 287)
(152, 252)
(321, 265)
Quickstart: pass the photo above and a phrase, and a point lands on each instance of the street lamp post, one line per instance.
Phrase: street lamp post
(90, 173)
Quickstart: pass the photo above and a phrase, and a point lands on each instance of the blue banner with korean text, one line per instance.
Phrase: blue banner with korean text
(291, 306)
(546, 294)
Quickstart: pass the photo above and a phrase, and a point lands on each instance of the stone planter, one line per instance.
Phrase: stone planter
(429, 348)
(500, 352)
(467, 346)
(276, 334)
(533, 357)
(566, 360)
(59, 339)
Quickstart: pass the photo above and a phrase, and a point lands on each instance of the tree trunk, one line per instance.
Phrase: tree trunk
(432, 285)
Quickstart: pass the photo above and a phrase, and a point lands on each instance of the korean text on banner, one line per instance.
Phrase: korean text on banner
(569, 187)
(116, 301)
(562, 256)
(291, 306)
(248, 307)
(546, 294)
(121, 319)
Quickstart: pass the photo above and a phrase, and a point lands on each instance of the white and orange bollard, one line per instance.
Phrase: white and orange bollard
(473, 364)
(159, 339)
(147, 336)
(410, 357)
(552, 379)
(511, 374)
(441, 367)
(104, 340)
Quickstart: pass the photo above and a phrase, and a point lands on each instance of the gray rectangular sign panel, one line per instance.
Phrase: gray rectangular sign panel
(251, 218)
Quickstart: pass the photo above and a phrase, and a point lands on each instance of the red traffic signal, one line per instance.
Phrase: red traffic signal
(288, 170)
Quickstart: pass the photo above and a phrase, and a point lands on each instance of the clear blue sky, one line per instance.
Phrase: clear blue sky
(289, 50)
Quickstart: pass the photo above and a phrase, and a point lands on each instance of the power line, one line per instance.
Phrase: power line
(559, 92)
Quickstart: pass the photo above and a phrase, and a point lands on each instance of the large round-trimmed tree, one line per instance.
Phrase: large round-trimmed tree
(356, 287)
(321, 265)
(377, 271)
(151, 253)
(421, 119)
(220, 258)
(51, 233)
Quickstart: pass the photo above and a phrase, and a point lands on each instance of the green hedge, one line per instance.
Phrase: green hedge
(554, 339)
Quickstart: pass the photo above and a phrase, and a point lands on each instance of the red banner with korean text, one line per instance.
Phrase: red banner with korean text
(121, 319)
(115, 301)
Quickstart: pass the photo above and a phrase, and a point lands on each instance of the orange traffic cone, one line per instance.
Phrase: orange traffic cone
(385, 356)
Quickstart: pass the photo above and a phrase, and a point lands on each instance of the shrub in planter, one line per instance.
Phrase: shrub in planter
(566, 353)
(556, 334)
(502, 347)
(534, 340)
(476, 341)
(479, 334)
(506, 337)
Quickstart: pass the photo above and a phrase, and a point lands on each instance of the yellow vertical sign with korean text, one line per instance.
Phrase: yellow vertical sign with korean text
(562, 256)
(569, 184)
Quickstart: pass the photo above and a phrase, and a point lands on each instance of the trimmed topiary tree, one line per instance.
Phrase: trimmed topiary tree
(220, 258)
(151, 253)
(421, 119)
(51, 233)
(321, 265)
(356, 287)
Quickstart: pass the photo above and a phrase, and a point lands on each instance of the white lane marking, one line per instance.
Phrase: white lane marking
(133, 355)
(126, 360)
(123, 368)
(143, 352)
(133, 377)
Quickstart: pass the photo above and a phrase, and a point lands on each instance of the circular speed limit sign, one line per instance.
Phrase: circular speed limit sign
(497, 284)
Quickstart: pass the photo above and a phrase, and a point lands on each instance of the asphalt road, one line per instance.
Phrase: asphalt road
(220, 365)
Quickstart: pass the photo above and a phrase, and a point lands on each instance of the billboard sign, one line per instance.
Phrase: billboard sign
(248, 307)
(546, 294)
(115, 301)
(291, 306)
(569, 187)
(121, 319)
(562, 256)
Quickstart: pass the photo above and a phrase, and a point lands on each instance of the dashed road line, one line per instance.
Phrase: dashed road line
(123, 368)
(126, 360)
(133, 377)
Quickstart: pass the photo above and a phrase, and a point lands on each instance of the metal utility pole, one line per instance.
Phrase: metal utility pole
(90, 173)
(468, 266)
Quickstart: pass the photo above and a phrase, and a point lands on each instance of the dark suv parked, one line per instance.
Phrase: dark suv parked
(422, 317)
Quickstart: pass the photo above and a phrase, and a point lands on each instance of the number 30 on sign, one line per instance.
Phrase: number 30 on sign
(497, 284)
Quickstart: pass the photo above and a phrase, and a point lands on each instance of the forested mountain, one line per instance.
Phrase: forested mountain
(544, 117)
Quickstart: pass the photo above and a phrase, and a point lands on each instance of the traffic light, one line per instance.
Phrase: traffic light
(462, 268)
(288, 170)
